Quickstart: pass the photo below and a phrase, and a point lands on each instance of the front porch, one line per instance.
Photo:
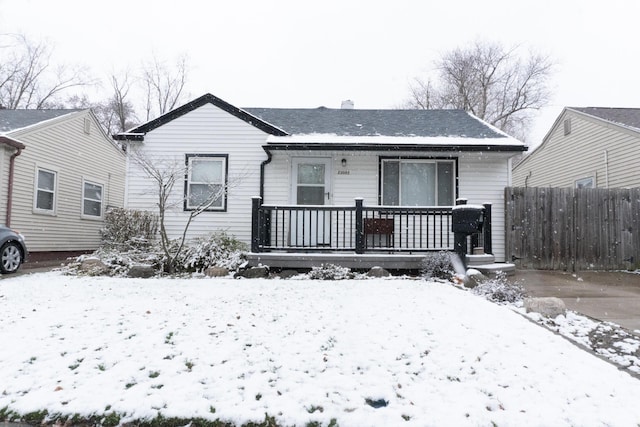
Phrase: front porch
(358, 236)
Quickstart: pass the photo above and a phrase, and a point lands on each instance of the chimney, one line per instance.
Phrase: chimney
(347, 105)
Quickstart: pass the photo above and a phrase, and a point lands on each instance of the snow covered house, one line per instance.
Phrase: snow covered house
(590, 147)
(301, 185)
(59, 173)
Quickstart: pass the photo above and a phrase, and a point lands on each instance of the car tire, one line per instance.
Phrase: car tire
(10, 258)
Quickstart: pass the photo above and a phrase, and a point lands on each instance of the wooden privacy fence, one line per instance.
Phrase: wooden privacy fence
(573, 229)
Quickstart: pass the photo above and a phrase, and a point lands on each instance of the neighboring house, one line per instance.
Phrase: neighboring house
(586, 148)
(309, 165)
(60, 172)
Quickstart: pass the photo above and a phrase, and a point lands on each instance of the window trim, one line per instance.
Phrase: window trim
(36, 189)
(187, 174)
(382, 159)
(83, 199)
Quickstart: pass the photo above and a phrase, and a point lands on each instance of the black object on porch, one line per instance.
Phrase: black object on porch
(357, 229)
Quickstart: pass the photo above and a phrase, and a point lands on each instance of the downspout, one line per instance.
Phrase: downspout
(262, 166)
(12, 161)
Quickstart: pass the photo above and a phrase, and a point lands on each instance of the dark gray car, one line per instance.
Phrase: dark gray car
(13, 250)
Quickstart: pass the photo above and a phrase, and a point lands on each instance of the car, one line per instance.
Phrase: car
(13, 250)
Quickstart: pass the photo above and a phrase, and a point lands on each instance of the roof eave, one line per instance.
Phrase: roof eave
(395, 147)
(12, 142)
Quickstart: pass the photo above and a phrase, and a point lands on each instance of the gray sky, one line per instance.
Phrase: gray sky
(297, 53)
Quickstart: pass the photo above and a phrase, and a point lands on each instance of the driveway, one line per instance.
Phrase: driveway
(609, 296)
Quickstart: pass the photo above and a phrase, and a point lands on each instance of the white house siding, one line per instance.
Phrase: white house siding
(62, 145)
(482, 179)
(562, 159)
(205, 130)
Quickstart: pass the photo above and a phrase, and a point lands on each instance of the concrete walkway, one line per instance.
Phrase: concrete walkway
(609, 296)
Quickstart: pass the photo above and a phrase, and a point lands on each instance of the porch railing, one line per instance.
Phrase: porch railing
(357, 228)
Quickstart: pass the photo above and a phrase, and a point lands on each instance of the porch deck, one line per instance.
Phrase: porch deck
(305, 261)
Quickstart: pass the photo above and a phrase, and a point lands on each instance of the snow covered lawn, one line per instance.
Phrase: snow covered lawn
(377, 352)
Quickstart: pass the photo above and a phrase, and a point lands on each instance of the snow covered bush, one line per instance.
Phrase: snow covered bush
(437, 266)
(219, 249)
(500, 289)
(127, 229)
(330, 272)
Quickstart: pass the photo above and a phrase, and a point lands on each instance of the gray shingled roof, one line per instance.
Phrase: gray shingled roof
(347, 122)
(629, 117)
(17, 119)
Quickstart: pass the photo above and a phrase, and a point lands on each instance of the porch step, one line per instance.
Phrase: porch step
(493, 268)
(479, 259)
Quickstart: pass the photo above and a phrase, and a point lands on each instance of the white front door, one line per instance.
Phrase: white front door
(311, 187)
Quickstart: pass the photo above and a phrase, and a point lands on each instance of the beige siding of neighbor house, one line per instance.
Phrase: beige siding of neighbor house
(593, 148)
(61, 145)
(481, 179)
(205, 130)
(4, 179)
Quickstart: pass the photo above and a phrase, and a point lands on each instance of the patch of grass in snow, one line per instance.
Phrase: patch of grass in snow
(154, 374)
(189, 364)
(168, 338)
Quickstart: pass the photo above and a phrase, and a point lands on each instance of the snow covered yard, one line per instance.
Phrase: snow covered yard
(377, 352)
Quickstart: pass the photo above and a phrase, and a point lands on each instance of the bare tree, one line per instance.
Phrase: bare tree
(164, 85)
(498, 85)
(119, 104)
(27, 77)
(165, 173)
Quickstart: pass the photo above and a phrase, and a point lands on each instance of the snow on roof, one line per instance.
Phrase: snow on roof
(13, 120)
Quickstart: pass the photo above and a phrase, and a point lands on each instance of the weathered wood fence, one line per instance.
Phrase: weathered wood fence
(573, 229)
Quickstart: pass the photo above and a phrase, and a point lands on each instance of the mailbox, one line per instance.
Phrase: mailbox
(467, 219)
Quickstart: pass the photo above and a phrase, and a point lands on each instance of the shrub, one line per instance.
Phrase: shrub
(437, 266)
(330, 272)
(217, 250)
(127, 229)
(500, 289)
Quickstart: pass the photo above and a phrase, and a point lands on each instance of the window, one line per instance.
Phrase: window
(587, 182)
(418, 182)
(205, 184)
(45, 198)
(91, 200)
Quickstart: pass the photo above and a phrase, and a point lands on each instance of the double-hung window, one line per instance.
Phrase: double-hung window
(418, 182)
(206, 182)
(45, 197)
(91, 200)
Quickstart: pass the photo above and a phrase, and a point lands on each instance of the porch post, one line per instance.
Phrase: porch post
(486, 229)
(256, 202)
(460, 240)
(359, 227)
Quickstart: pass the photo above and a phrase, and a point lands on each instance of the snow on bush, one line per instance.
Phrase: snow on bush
(216, 250)
(437, 266)
(500, 289)
(330, 272)
(127, 229)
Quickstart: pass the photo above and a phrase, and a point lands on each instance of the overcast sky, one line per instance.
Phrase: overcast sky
(297, 53)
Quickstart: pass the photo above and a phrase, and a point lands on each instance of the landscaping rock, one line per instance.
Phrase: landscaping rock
(378, 272)
(286, 274)
(141, 271)
(547, 306)
(216, 272)
(260, 272)
(93, 267)
(473, 278)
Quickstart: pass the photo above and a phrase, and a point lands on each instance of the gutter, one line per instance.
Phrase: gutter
(262, 166)
(12, 160)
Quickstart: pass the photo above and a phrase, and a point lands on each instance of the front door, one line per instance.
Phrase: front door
(311, 187)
